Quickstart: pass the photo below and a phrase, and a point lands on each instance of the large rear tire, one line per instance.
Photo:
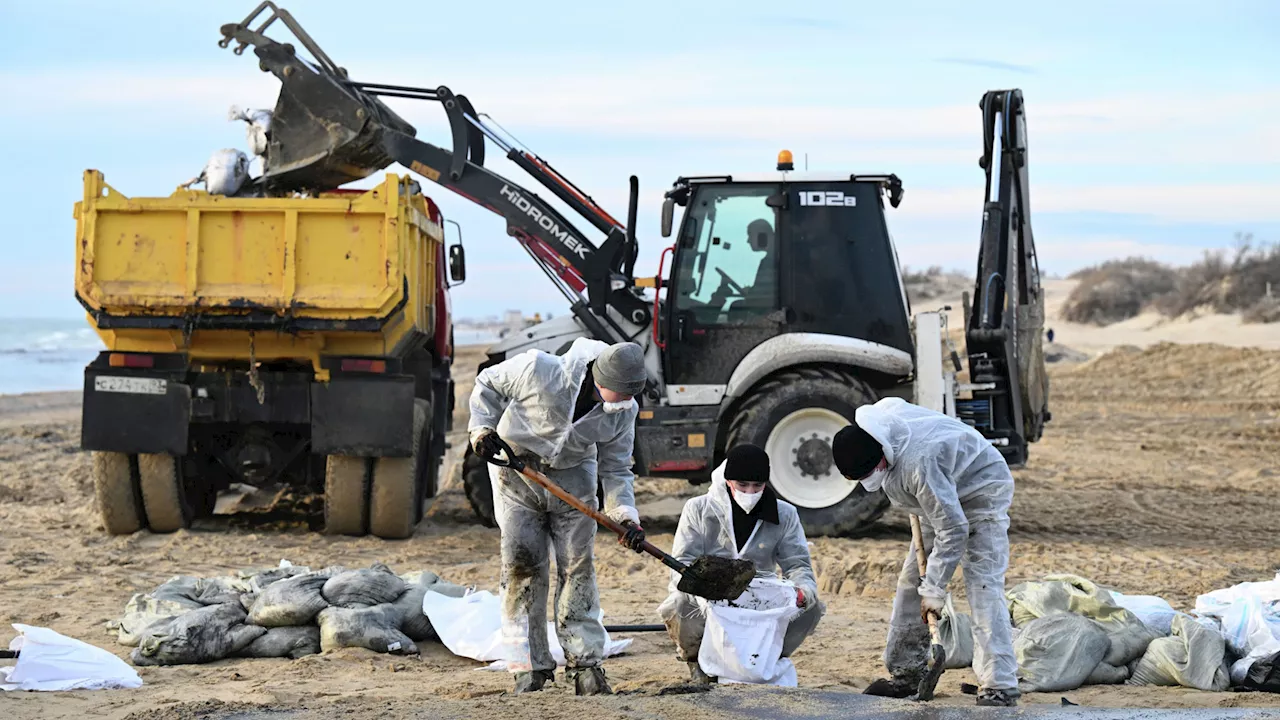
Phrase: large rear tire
(346, 495)
(396, 483)
(794, 417)
(163, 496)
(115, 483)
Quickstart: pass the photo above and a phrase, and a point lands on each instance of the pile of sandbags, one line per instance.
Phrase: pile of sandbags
(282, 612)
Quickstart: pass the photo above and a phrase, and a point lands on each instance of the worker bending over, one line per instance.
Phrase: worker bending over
(946, 473)
(573, 418)
(740, 517)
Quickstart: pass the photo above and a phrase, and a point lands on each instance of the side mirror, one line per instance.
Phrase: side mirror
(668, 215)
(457, 264)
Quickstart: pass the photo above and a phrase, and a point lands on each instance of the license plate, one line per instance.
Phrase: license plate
(131, 385)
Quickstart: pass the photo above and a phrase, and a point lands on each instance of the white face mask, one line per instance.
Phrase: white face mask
(873, 481)
(746, 501)
(616, 407)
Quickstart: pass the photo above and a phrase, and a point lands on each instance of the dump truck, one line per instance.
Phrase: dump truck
(296, 343)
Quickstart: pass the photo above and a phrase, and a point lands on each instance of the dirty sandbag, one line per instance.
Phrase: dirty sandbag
(144, 615)
(294, 601)
(257, 581)
(201, 591)
(280, 642)
(413, 621)
(1059, 652)
(1193, 656)
(363, 588)
(199, 636)
(1065, 593)
(50, 661)
(373, 628)
(955, 630)
(224, 174)
(1263, 675)
(258, 126)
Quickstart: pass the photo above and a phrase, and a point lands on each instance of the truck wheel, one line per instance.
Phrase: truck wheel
(794, 416)
(395, 485)
(115, 482)
(475, 480)
(346, 496)
(163, 495)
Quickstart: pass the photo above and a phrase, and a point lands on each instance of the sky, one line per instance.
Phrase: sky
(1151, 124)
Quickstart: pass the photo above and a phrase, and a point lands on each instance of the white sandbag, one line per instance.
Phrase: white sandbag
(1250, 617)
(224, 174)
(1194, 656)
(1059, 652)
(259, 124)
(49, 661)
(742, 642)
(470, 626)
(1155, 612)
(375, 628)
(955, 630)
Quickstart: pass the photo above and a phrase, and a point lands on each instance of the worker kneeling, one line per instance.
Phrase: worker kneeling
(740, 517)
(943, 471)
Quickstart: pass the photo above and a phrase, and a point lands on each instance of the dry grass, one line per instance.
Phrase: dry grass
(934, 283)
(1245, 281)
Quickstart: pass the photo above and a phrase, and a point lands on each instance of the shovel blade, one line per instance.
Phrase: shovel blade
(933, 672)
(717, 578)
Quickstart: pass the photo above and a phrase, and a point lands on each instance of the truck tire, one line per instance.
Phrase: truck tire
(163, 496)
(115, 483)
(346, 495)
(395, 488)
(475, 481)
(794, 416)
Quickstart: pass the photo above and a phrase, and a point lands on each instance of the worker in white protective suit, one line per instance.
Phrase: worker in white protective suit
(946, 473)
(571, 417)
(740, 517)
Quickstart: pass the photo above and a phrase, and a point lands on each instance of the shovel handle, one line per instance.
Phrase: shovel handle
(917, 537)
(516, 464)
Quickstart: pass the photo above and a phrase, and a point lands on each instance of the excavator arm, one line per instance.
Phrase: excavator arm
(328, 130)
(1005, 325)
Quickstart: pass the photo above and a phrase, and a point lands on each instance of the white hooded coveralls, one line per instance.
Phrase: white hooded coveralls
(529, 399)
(958, 484)
(706, 528)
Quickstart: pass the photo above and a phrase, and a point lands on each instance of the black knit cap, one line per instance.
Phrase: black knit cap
(856, 453)
(746, 463)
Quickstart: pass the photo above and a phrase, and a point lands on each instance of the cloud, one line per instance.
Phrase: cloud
(988, 64)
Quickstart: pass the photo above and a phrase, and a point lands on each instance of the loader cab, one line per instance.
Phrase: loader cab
(757, 257)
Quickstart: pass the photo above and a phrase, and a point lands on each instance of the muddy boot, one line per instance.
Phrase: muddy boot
(588, 681)
(997, 698)
(533, 681)
(895, 687)
(698, 676)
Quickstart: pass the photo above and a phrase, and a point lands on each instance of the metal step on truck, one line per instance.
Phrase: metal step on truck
(297, 342)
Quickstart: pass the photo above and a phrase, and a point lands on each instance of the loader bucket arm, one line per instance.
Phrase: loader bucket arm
(1005, 325)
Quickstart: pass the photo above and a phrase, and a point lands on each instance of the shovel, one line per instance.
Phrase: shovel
(937, 654)
(713, 578)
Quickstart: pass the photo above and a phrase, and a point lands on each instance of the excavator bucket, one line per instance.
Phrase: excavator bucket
(325, 131)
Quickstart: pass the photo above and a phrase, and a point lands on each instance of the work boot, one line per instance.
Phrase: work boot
(588, 681)
(894, 687)
(698, 676)
(533, 681)
(997, 698)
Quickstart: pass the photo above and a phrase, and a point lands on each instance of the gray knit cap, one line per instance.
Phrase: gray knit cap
(620, 368)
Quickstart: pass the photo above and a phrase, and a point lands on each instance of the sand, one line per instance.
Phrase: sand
(1157, 475)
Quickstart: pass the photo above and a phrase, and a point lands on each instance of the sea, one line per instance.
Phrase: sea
(49, 355)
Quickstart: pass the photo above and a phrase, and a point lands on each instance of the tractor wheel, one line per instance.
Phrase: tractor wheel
(346, 496)
(396, 485)
(794, 417)
(164, 496)
(115, 482)
(475, 480)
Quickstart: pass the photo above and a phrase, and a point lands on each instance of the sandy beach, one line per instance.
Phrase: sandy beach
(1157, 476)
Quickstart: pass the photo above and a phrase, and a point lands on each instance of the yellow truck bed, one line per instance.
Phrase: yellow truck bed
(350, 272)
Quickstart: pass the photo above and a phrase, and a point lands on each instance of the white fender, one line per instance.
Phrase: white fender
(805, 348)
